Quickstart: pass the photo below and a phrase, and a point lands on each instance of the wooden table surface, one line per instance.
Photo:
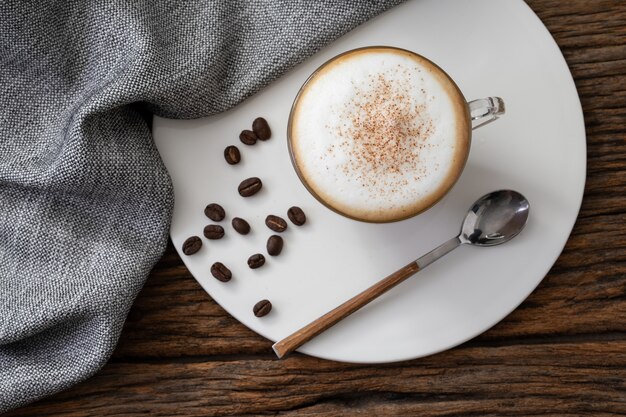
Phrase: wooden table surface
(562, 352)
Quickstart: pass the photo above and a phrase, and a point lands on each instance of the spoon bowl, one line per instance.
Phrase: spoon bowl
(495, 218)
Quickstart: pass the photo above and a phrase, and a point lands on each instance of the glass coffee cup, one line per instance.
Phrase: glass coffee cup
(381, 134)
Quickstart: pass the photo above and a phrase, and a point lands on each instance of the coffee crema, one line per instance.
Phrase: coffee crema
(379, 134)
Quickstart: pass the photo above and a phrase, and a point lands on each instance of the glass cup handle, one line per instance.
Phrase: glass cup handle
(485, 110)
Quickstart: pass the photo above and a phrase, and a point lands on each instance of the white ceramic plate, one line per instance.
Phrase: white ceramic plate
(490, 48)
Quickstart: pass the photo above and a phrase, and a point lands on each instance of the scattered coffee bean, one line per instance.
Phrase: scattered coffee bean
(262, 308)
(274, 245)
(277, 224)
(213, 231)
(256, 261)
(261, 128)
(296, 215)
(221, 272)
(214, 212)
(232, 155)
(250, 186)
(192, 245)
(241, 226)
(248, 137)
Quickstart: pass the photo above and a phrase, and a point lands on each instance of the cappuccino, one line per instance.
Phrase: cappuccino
(379, 134)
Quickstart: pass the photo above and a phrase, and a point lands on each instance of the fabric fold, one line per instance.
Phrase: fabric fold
(85, 199)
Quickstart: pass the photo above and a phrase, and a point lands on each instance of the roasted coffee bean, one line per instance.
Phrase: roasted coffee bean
(274, 245)
(241, 226)
(213, 231)
(221, 272)
(250, 186)
(214, 212)
(192, 245)
(256, 261)
(277, 224)
(261, 128)
(232, 155)
(248, 137)
(262, 308)
(296, 215)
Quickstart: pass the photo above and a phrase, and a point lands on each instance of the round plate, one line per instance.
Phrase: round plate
(538, 148)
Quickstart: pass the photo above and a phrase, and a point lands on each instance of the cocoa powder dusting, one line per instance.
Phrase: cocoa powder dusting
(387, 131)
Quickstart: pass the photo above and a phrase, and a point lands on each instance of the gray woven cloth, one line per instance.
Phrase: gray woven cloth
(85, 201)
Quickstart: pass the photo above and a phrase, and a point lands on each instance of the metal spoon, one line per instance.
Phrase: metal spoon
(492, 220)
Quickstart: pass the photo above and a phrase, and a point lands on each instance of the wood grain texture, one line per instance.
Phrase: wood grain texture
(564, 377)
(562, 352)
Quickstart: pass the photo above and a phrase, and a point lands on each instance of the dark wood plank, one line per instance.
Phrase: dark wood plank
(562, 352)
(577, 378)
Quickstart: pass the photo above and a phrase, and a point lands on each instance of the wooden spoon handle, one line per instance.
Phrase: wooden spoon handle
(300, 337)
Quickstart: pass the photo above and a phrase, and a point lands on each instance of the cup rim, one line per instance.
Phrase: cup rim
(330, 206)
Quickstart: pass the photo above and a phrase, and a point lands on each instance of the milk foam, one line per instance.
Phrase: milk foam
(380, 134)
